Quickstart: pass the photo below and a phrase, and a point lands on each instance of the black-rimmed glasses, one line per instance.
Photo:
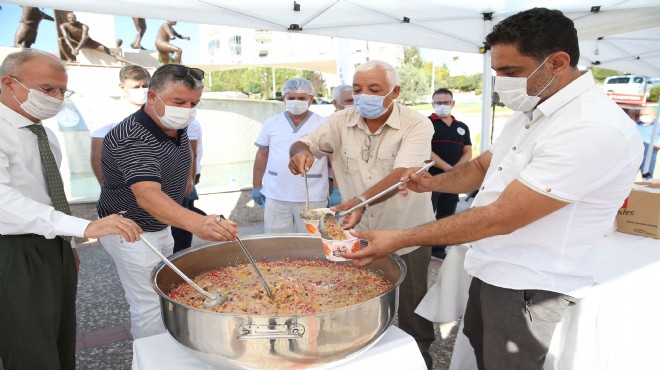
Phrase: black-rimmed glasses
(182, 71)
(366, 153)
(443, 102)
(50, 91)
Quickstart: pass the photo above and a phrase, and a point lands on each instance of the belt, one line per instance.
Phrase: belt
(22, 236)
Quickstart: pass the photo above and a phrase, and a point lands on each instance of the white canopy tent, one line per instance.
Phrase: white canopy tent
(437, 24)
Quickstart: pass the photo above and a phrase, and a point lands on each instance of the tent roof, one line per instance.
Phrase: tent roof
(437, 24)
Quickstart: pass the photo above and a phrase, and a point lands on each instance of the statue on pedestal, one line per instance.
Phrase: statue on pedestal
(26, 33)
(165, 34)
(141, 28)
(75, 36)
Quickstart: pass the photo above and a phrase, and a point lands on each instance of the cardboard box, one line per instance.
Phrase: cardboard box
(640, 213)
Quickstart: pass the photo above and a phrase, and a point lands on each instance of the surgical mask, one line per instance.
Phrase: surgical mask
(40, 105)
(137, 95)
(176, 118)
(370, 106)
(513, 91)
(296, 107)
(442, 110)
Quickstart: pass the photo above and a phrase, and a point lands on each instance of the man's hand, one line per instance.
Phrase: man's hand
(213, 228)
(301, 162)
(114, 224)
(381, 244)
(352, 218)
(258, 198)
(421, 183)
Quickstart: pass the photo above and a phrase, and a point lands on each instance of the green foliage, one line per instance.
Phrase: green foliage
(259, 80)
(414, 84)
(600, 74)
(654, 94)
(411, 56)
(466, 83)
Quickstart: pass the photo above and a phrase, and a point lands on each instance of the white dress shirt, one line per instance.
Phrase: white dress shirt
(25, 204)
(577, 147)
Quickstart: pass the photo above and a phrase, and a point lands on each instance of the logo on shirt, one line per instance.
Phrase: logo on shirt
(460, 130)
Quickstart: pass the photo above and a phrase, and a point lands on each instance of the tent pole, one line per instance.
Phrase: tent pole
(273, 72)
(486, 103)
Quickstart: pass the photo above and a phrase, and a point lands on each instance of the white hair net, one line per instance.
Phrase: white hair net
(298, 85)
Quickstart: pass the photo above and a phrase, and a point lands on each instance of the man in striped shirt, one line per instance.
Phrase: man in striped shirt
(147, 170)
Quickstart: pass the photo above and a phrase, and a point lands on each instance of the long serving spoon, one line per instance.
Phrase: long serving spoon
(305, 213)
(212, 298)
(249, 256)
(334, 218)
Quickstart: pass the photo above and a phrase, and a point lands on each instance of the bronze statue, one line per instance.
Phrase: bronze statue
(75, 36)
(141, 28)
(165, 34)
(26, 33)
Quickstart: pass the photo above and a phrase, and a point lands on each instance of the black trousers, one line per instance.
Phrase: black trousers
(38, 282)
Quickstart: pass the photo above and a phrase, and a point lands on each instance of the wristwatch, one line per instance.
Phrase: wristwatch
(362, 199)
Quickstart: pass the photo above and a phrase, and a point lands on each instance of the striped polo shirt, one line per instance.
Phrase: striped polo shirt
(138, 150)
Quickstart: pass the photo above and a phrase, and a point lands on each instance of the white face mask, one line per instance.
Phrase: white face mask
(176, 118)
(296, 107)
(40, 105)
(442, 110)
(137, 95)
(513, 91)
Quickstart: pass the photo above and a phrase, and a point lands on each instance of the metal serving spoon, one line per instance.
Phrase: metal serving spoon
(249, 256)
(305, 213)
(212, 298)
(328, 217)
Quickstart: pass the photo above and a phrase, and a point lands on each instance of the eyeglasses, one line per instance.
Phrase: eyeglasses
(182, 71)
(50, 91)
(366, 153)
(443, 102)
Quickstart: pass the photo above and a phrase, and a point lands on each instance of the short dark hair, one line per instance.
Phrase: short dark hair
(537, 33)
(443, 90)
(168, 74)
(133, 72)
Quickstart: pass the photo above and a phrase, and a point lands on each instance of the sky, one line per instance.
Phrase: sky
(10, 16)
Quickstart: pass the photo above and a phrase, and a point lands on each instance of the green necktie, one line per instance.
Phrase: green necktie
(53, 177)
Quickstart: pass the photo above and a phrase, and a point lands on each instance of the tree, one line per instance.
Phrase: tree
(317, 80)
(414, 84)
(600, 74)
(654, 94)
(441, 74)
(411, 56)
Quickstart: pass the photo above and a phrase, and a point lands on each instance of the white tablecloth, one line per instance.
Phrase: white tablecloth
(615, 327)
(395, 350)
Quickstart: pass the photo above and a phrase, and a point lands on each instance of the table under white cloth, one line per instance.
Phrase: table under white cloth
(615, 327)
(395, 350)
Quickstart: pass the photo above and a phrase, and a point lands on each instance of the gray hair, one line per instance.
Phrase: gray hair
(298, 85)
(390, 72)
(12, 64)
(165, 77)
(336, 93)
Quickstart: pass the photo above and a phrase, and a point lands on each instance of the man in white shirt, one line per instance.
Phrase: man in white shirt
(273, 184)
(134, 83)
(38, 275)
(546, 196)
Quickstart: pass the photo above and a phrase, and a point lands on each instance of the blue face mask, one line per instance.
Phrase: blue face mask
(370, 106)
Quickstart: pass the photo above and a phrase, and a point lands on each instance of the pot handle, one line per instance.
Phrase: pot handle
(294, 331)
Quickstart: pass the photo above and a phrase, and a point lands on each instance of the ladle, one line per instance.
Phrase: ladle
(335, 217)
(305, 213)
(249, 256)
(212, 298)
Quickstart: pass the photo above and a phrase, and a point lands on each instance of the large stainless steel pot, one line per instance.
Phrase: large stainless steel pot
(315, 340)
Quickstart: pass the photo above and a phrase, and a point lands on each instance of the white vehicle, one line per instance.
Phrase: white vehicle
(630, 84)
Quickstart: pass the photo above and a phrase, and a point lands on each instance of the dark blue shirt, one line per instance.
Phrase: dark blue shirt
(448, 141)
(138, 150)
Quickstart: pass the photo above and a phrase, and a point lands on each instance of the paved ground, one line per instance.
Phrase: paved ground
(104, 340)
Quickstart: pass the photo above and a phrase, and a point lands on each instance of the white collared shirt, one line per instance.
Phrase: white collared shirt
(25, 204)
(578, 147)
